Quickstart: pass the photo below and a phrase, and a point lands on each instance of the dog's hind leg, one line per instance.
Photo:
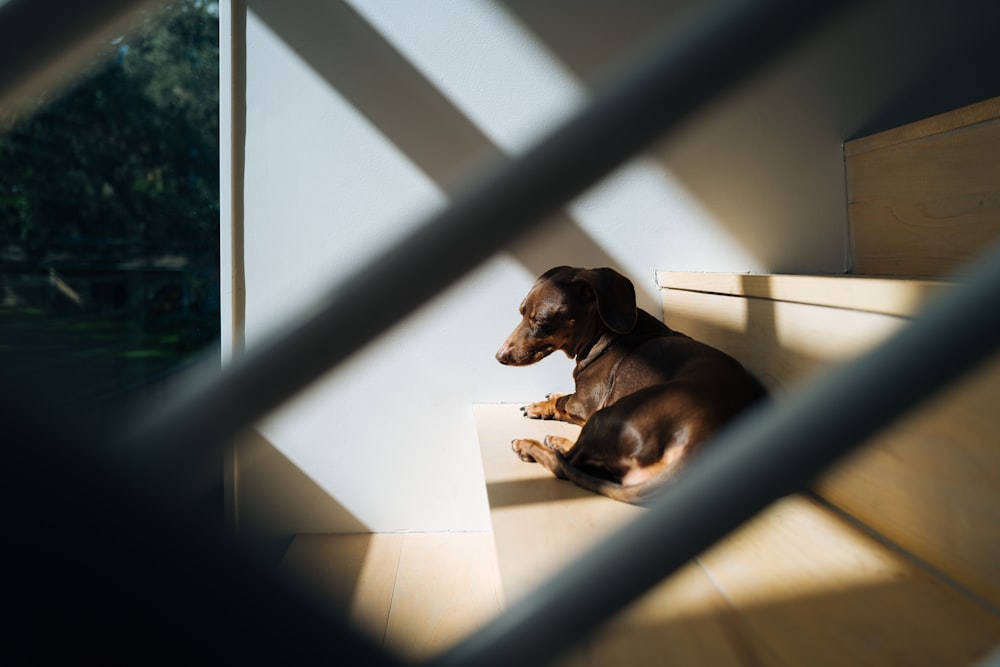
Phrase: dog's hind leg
(559, 443)
(534, 451)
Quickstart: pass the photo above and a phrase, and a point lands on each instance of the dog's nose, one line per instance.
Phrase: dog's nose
(503, 355)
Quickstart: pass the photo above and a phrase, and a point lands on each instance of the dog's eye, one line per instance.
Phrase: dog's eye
(539, 321)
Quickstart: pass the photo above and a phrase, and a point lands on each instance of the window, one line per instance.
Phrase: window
(109, 214)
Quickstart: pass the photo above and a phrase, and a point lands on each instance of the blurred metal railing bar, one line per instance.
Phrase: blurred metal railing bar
(719, 44)
(94, 562)
(44, 42)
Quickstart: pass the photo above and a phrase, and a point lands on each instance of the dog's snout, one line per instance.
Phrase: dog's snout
(503, 355)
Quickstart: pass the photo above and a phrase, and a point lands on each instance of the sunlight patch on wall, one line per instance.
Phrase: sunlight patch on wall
(642, 200)
(359, 116)
(484, 61)
(514, 89)
(334, 171)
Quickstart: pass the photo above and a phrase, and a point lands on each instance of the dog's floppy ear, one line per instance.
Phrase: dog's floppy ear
(551, 273)
(615, 297)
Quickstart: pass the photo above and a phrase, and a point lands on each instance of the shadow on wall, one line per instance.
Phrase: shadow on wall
(282, 499)
(768, 163)
(402, 99)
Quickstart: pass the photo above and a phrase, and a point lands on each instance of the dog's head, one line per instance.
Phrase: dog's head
(567, 308)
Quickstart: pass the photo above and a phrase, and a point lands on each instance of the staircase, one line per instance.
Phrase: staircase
(892, 558)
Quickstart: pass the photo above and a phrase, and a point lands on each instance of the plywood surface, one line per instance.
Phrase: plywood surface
(781, 342)
(686, 620)
(931, 483)
(810, 589)
(446, 586)
(541, 524)
(352, 573)
(889, 296)
(417, 593)
(938, 124)
(532, 540)
(925, 200)
(798, 585)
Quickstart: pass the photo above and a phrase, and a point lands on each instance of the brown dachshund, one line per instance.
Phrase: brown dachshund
(646, 396)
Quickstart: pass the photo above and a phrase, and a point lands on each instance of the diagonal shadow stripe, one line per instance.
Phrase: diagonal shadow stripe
(382, 85)
(344, 49)
(513, 492)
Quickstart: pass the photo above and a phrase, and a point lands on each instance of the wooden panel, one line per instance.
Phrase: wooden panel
(921, 205)
(446, 586)
(890, 296)
(541, 524)
(798, 585)
(416, 593)
(812, 590)
(931, 483)
(781, 342)
(684, 621)
(352, 573)
(927, 127)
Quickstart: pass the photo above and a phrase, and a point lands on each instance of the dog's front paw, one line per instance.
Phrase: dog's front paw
(542, 409)
(521, 448)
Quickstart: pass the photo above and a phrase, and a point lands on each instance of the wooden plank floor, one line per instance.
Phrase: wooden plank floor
(798, 585)
(416, 593)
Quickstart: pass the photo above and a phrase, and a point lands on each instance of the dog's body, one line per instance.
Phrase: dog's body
(646, 396)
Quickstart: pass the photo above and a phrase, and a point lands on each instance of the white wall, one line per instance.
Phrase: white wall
(361, 117)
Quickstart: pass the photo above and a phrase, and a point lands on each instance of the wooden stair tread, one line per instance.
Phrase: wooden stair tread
(877, 294)
(550, 521)
(931, 482)
(813, 589)
(798, 585)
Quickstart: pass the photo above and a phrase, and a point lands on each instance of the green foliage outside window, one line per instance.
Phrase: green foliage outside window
(131, 152)
(109, 211)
